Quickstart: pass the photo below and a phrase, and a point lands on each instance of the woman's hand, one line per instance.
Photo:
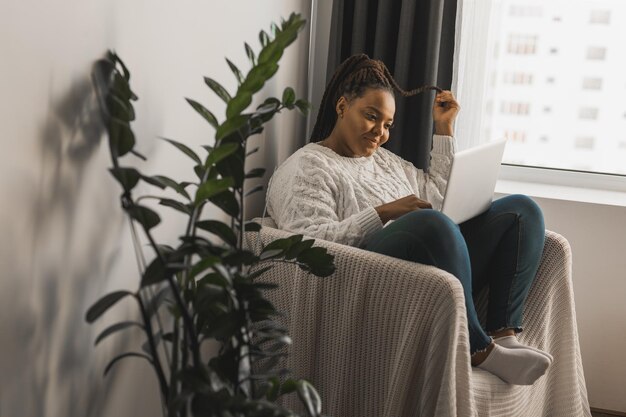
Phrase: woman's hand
(445, 110)
(395, 209)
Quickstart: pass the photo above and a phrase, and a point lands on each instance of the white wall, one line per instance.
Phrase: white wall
(597, 236)
(64, 240)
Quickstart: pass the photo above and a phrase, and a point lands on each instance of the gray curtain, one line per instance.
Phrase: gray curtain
(415, 39)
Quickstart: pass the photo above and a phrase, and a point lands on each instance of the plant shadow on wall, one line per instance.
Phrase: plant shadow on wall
(52, 260)
(201, 292)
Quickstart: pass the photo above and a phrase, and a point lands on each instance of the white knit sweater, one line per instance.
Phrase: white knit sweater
(319, 193)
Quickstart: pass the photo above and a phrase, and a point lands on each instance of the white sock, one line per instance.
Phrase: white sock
(512, 342)
(516, 366)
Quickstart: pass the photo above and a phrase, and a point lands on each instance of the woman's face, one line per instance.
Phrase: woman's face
(366, 121)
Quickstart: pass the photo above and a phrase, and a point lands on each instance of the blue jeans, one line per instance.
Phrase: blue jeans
(500, 247)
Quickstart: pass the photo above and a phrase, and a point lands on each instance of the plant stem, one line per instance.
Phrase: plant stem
(153, 350)
(187, 320)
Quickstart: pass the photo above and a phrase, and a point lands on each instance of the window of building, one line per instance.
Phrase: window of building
(516, 77)
(519, 44)
(515, 135)
(523, 10)
(600, 17)
(515, 108)
(592, 83)
(588, 113)
(596, 53)
(584, 142)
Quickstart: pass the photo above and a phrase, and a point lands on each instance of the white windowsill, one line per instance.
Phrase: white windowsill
(561, 192)
(563, 185)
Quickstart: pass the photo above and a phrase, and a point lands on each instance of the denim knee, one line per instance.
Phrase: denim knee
(525, 207)
(435, 227)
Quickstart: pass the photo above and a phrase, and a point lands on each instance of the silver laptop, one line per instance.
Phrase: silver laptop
(472, 181)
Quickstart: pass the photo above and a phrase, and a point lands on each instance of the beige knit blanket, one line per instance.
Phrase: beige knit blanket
(388, 337)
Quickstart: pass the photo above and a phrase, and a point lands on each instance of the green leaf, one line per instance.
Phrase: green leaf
(103, 304)
(310, 398)
(254, 190)
(318, 261)
(272, 253)
(220, 153)
(230, 126)
(163, 181)
(119, 109)
(227, 202)
(271, 53)
(235, 71)
(116, 328)
(255, 173)
(284, 243)
(303, 106)
(184, 149)
(125, 355)
(218, 89)
(157, 300)
(252, 226)
(240, 257)
(199, 170)
(289, 97)
(127, 177)
(258, 75)
(220, 229)
(177, 205)
(250, 54)
(238, 104)
(147, 217)
(298, 248)
(203, 264)
(213, 187)
(122, 139)
(158, 272)
(264, 39)
(204, 112)
(255, 150)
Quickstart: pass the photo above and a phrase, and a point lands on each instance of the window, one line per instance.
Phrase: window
(521, 44)
(584, 142)
(518, 78)
(515, 108)
(602, 17)
(515, 135)
(588, 113)
(569, 104)
(596, 53)
(591, 83)
(522, 10)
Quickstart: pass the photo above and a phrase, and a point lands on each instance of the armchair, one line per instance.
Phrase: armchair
(388, 337)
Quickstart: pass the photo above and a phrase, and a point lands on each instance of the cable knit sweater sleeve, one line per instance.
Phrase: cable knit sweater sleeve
(303, 199)
(431, 185)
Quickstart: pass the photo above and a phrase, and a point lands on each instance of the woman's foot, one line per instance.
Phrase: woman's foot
(518, 366)
(512, 342)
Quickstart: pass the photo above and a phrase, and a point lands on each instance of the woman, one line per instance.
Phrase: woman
(344, 187)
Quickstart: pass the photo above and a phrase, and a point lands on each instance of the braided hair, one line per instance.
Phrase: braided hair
(351, 79)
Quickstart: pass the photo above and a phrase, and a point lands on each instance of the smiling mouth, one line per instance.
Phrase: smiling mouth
(371, 140)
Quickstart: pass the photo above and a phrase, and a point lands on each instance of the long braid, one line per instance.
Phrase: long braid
(351, 79)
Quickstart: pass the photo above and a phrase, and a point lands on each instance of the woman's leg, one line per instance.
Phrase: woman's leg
(429, 237)
(505, 245)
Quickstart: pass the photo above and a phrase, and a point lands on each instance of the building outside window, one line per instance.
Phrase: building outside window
(578, 92)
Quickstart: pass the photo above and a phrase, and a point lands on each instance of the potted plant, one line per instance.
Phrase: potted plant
(200, 290)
